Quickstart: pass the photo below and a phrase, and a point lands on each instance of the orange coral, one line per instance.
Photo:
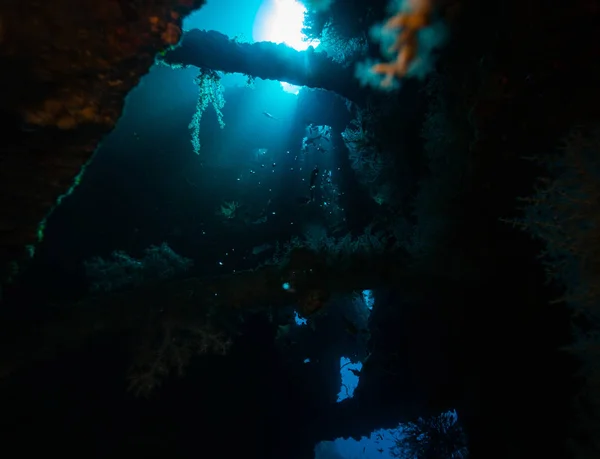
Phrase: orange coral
(406, 46)
(170, 32)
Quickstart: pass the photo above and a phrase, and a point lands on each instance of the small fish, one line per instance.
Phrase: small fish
(268, 115)
(260, 220)
(261, 248)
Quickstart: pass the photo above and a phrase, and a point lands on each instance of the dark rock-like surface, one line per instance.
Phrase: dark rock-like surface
(266, 60)
(67, 66)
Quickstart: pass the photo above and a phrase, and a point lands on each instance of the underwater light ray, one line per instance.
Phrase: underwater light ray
(283, 23)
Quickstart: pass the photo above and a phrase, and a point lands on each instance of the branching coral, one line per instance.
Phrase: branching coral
(369, 164)
(355, 135)
(365, 157)
(210, 91)
(564, 213)
(341, 50)
(437, 436)
(169, 346)
(407, 23)
(122, 270)
(336, 250)
(228, 209)
(408, 37)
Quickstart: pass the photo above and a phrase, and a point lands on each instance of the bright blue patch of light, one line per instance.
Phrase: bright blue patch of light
(376, 446)
(368, 298)
(286, 286)
(349, 379)
(306, 360)
(298, 319)
(281, 21)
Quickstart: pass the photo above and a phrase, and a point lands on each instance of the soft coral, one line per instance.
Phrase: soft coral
(408, 21)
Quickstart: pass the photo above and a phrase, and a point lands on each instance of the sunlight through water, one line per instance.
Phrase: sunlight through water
(281, 21)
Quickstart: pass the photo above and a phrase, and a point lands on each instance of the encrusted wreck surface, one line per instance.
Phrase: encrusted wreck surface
(67, 66)
(266, 60)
